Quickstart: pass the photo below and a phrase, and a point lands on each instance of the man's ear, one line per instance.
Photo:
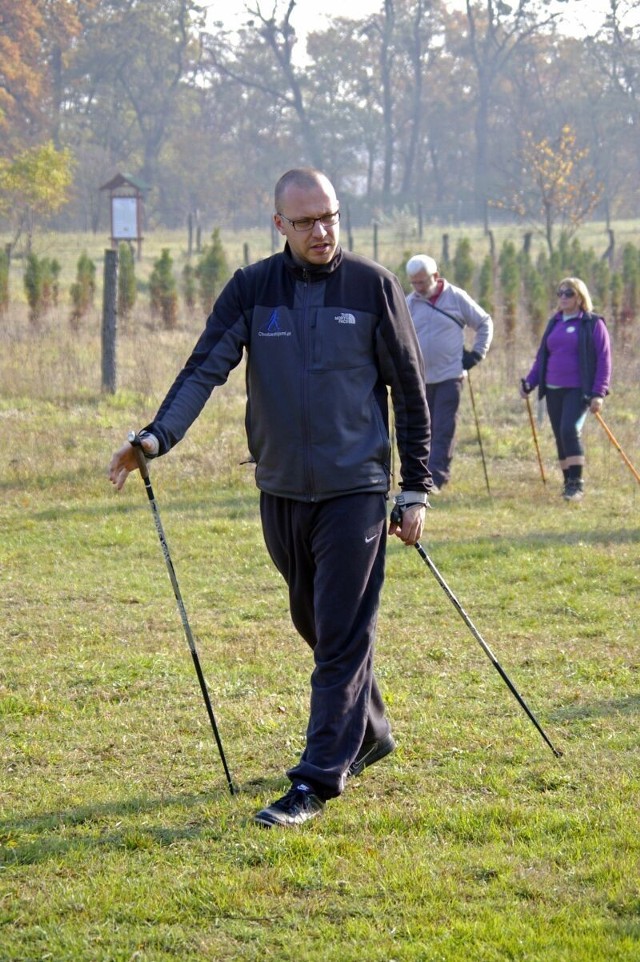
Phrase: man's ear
(277, 220)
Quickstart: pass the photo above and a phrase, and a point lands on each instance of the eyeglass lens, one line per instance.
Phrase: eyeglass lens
(307, 223)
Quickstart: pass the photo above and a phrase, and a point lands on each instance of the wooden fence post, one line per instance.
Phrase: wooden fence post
(109, 321)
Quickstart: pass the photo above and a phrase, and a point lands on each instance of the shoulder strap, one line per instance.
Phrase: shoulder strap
(446, 314)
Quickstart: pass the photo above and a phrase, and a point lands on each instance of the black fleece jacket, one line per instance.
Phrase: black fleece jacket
(323, 343)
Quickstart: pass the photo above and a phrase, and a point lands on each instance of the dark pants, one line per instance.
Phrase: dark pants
(443, 400)
(567, 409)
(332, 556)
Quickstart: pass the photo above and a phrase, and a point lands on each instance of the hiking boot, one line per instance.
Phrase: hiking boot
(573, 491)
(297, 806)
(371, 752)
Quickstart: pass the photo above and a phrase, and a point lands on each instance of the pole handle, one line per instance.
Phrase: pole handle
(138, 450)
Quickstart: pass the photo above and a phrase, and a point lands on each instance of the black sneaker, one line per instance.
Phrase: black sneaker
(297, 806)
(573, 491)
(371, 752)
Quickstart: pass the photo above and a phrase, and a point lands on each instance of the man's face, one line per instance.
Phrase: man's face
(424, 283)
(317, 245)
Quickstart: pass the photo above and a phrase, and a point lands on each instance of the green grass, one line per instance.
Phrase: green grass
(119, 838)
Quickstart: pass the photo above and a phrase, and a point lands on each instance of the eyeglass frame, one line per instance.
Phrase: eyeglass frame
(315, 220)
(566, 292)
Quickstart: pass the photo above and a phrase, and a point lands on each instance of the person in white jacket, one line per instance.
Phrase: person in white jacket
(440, 313)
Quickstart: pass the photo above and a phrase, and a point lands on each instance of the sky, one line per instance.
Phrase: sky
(582, 16)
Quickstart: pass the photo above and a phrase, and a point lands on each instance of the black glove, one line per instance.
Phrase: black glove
(526, 387)
(470, 359)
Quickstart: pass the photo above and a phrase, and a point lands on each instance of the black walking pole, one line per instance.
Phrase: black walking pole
(475, 414)
(396, 517)
(134, 440)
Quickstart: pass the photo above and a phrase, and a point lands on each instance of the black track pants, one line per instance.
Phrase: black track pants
(567, 409)
(332, 554)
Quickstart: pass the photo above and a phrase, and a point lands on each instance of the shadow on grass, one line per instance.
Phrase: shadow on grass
(232, 506)
(487, 546)
(599, 709)
(50, 835)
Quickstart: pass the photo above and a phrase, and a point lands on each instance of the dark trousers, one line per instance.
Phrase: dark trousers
(443, 400)
(567, 409)
(332, 556)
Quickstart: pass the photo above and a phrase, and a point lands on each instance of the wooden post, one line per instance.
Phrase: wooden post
(375, 240)
(445, 251)
(109, 321)
(349, 231)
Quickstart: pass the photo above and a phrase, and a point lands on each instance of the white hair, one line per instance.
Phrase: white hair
(421, 262)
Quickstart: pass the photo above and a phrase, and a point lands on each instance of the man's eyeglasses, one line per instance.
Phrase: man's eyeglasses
(308, 223)
(565, 292)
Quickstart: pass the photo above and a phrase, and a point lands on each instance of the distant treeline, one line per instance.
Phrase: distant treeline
(477, 116)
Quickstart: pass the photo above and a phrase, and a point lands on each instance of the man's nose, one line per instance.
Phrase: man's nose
(319, 230)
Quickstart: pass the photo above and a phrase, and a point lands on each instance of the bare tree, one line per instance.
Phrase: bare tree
(497, 32)
(266, 63)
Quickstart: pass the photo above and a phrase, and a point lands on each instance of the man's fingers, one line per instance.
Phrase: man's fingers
(123, 462)
(410, 530)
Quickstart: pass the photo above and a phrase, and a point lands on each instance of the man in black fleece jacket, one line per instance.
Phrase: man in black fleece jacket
(326, 333)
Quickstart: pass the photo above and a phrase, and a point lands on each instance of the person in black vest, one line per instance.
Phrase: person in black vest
(572, 369)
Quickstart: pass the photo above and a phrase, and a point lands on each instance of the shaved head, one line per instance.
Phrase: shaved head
(304, 178)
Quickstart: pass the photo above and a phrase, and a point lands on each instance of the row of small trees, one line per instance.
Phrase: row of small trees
(507, 283)
(200, 283)
(512, 283)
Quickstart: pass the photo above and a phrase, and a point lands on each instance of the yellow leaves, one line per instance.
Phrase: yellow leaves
(37, 179)
(557, 184)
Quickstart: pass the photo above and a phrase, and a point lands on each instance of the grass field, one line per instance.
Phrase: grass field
(119, 838)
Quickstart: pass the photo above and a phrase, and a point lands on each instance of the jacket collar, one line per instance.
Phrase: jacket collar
(313, 272)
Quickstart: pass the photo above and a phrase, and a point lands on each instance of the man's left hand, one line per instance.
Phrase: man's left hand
(410, 530)
(470, 359)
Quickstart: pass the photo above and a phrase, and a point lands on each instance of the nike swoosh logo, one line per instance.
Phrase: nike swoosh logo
(369, 540)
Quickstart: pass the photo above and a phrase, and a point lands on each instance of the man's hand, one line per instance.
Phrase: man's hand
(470, 359)
(410, 530)
(124, 460)
(407, 516)
(595, 405)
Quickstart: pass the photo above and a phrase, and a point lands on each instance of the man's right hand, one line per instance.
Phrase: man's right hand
(124, 460)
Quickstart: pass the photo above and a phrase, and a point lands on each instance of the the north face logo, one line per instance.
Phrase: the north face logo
(345, 319)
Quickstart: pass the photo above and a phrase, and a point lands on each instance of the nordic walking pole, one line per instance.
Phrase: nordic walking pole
(535, 436)
(134, 440)
(616, 445)
(396, 517)
(475, 414)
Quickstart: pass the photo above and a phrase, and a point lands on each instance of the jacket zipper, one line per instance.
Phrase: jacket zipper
(306, 419)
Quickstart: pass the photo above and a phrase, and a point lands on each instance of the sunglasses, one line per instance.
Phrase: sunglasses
(566, 292)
